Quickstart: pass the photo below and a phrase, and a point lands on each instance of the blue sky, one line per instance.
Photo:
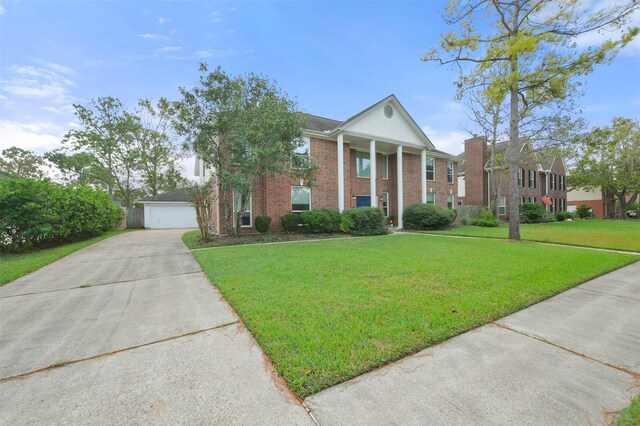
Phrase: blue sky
(335, 58)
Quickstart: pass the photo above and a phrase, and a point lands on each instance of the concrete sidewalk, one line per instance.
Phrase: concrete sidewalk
(129, 330)
(568, 360)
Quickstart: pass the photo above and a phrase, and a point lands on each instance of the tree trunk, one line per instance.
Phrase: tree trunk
(623, 205)
(512, 153)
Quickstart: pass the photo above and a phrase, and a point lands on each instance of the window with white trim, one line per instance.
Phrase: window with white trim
(385, 166)
(520, 177)
(431, 168)
(562, 205)
(553, 181)
(450, 171)
(532, 178)
(300, 198)
(502, 206)
(532, 199)
(552, 206)
(300, 158)
(245, 221)
(561, 179)
(450, 201)
(385, 203)
(363, 164)
(431, 198)
(520, 201)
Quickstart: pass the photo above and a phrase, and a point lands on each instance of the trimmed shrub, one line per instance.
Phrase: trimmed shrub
(346, 223)
(262, 224)
(562, 216)
(318, 221)
(533, 212)
(35, 214)
(427, 216)
(584, 212)
(290, 222)
(367, 221)
(486, 220)
(548, 217)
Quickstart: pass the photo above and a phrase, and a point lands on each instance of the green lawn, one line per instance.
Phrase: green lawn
(630, 416)
(610, 234)
(13, 266)
(327, 311)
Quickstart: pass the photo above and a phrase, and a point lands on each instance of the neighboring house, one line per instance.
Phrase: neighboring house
(169, 210)
(602, 204)
(379, 157)
(540, 173)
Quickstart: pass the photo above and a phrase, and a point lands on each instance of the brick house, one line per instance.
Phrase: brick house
(379, 157)
(541, 173)
(602, 205)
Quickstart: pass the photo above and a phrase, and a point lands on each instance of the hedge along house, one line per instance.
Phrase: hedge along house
(379, 157)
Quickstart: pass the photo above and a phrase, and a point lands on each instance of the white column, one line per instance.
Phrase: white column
(423, 175)
(400, 188)
(341, 172)
(373, 173)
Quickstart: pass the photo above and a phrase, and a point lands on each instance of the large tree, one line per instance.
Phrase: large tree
(107, 140)
(537, 41)
(608, 158)
(20, 163)
(242, 127)
(159, 158)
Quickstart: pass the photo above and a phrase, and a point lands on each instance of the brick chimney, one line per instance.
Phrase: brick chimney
(475, 178)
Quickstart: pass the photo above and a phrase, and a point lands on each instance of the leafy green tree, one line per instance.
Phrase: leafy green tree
(242, 127)
(608, 158)
(108, 138)
(158, 162)
(20, 163)
(536, 41)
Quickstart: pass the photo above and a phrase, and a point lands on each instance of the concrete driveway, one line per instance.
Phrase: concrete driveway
(569, 360)
(129, 330)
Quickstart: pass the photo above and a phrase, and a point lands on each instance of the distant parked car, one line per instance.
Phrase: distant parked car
(633, 213)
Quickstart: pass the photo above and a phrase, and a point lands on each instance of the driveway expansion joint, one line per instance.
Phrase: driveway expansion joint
(84, 286)
(635, 375)
(607, 294)
(115, 352)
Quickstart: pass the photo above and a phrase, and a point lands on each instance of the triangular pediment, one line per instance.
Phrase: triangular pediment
(387, 120)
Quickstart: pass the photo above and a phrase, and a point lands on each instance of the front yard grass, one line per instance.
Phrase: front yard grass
(327, 311)
(609, 234)
(13, 266)
(630, 416)
(192, 239)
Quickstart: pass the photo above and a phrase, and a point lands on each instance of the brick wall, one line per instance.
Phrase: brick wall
(475, 153)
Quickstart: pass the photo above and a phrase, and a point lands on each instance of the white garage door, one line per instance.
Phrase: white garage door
(179, 215)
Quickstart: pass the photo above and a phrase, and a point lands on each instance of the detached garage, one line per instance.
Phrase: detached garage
(169, 210)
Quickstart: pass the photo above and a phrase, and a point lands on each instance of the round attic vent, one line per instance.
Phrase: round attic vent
(388, 111)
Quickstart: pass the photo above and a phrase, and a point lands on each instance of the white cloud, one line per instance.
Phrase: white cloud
(233, 9)
(170, 48)
(215, 16)
(32, 82)
(35, 136)
(451, 141)
(162, 20)
(2, 11)
(147, 36)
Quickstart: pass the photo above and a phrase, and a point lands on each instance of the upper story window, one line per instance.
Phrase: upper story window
(532, 178)
(300, 158)
(561, 182)
(450, 171)
(431, 168)
(300, 198)
(520, 177)
(553, 181)
(385, 166)
(363, 164)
